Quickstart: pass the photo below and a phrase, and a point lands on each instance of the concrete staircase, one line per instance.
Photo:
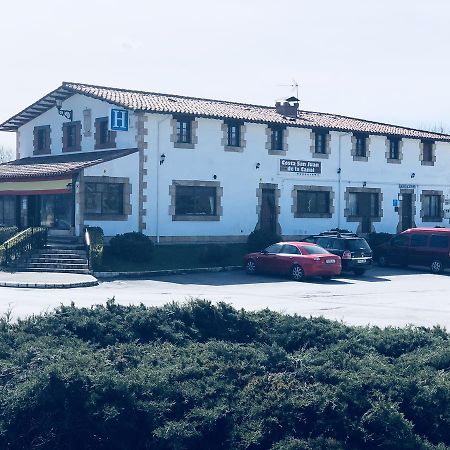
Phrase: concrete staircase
(64, 254)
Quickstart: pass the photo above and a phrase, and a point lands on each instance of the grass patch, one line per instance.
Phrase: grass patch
(179, 256)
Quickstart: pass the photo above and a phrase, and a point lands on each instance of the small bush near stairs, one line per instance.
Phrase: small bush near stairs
(134, 247)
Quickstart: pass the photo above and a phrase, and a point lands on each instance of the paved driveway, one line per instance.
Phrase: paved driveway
(383, 297)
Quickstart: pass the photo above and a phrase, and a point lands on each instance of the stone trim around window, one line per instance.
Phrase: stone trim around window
(111, 143)
(224, 140)
(46, 150)
(357, 218)
(174, 136)
(141, 125)
(312, 147)
(353, 152)
(433, 156)
(195, 218)
(297, 214)
(400, 152)
(127, 190)
(269, 141)
(77, 146)
(422, 208)
(277, 203)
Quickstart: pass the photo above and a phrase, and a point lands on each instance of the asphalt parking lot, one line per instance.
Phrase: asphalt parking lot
(383, 297)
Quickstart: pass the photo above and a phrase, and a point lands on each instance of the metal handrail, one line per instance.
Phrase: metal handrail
(21, 243)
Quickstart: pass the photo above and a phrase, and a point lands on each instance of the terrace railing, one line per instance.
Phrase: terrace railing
(22, 243)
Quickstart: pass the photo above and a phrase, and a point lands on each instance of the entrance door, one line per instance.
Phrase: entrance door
(56, 211)
(407, 211)
(364, 210)
(268, 216)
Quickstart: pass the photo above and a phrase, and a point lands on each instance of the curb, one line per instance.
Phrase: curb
(152, 273)
(12, 284)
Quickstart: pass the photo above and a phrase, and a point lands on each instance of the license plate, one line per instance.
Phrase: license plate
(330, 261)
(361, 261)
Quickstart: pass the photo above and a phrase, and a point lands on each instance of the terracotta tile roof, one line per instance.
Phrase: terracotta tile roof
(52, 166)
(200, 107)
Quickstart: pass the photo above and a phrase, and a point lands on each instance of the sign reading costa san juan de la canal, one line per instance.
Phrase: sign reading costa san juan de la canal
(301, 167)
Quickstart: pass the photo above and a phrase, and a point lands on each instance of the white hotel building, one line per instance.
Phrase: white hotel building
(183, 169)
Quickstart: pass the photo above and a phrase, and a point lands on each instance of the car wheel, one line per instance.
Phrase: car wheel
(383, 261)
(359, 272)
(436, 266)
(297, 273)
(250, 267)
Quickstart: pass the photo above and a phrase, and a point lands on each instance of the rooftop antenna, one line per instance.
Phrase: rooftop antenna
(293, 86)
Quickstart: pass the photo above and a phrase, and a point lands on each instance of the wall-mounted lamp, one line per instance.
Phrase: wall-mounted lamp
(364, 183)
(339, 170)
(67, 113)
(214, 177)
(162, 158)
(413, 175)
(69, 186)
(258, 165)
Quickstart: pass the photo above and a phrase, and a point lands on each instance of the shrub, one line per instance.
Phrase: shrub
(376, 239)
(214, 253)
(96, 248)
(7, 233)
(259, 239)
(133, 246)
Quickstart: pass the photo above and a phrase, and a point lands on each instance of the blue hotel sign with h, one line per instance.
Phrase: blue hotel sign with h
(119, 120)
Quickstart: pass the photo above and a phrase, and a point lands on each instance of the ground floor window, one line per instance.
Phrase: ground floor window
(7, 211)
(313, 201)
(104, 199)
(363, 204)
(431, 208)
(195, 200)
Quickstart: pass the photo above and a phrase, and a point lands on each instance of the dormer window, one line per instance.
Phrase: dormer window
(41, 141)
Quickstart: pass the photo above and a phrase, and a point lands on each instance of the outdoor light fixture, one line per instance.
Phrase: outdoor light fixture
(67, 113)
(339, 170)
(214, 177)
(413, 175)
(162, 158)
(364, 183)
(258, 165)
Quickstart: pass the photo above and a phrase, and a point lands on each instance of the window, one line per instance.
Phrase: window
(427, 152)
(72, 136)
(394, 148)
(274, 248)
(184, 131)
(313, 202)
(290, 250)
(104, 198)
(41, 142)
(276, 138)
(234, 135)
(363, 204)
(431, 207)
(437, 241)
(360, 146)
(104, 138)
(195, 201)
(7, 211)
(419, 240)
(320, 142)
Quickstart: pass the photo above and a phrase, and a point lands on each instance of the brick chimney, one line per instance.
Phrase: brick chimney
(288, 108)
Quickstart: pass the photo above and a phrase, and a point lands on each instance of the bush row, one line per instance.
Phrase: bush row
(213, 377)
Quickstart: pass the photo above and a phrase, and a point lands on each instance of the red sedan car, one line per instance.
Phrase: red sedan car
(297, 259)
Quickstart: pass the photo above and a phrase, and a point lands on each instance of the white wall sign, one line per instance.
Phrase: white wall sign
(119, 120)
(300, 167)
(407, 186)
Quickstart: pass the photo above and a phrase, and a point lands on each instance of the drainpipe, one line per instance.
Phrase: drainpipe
(339, 170)
(158, 163)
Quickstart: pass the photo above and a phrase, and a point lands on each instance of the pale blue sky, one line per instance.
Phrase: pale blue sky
(383, 60)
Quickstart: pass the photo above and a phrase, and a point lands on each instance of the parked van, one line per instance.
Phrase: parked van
(417, 247)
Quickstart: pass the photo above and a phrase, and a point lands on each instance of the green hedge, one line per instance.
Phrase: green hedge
(258, 240)
(132, 247)
(198, 376)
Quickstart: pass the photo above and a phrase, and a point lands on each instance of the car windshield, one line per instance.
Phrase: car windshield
(314, 249)
(358, 244)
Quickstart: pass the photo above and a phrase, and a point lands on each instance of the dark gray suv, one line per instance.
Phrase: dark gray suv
(355, 253)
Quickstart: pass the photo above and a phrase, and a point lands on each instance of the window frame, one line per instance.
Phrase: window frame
(233, 139)
(183, 130)
(276, 139)
(44, 132)
(76, 127)
(320, 142)
(314, 201)
(101, 126)
(315, 191)
(360, 146)
(428, 208)
(394, 148)
(102, 193)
